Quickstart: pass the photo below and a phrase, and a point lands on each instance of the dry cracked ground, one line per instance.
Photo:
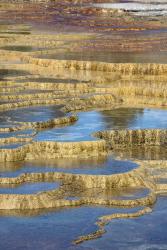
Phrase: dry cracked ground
(83, 124)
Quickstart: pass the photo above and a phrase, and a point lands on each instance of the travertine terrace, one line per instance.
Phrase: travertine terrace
(30, 76)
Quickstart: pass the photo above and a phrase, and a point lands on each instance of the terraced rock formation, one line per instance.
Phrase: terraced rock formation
(28, 80)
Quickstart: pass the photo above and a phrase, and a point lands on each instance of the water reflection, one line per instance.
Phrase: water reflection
(11, 72)
(52, 80)
(91, 121)
(27, 188)
(145, 232)
(118, 194)
(101, 165)
(110, 57)
(132, 118)
(21, 134)
(30, 114)
(11, 146)
(141, 153)
(18, 48)
(50, 229)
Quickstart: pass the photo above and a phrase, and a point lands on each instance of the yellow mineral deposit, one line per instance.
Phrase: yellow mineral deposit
(120, 85)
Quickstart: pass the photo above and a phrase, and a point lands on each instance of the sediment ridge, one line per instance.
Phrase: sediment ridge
(123, 68)
(52, 150)
(126, 138)
(41, 125)
(27, 80)
(78, 182)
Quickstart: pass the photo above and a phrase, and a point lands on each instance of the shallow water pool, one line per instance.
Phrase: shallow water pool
(92, 121)
(28, 188)
(97, 166)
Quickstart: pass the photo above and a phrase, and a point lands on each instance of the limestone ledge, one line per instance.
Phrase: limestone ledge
(156, 171)
(109, 140)
(60, 86)
(145, 101)
(126, 138)
(48, 200)
(72, 182)
(31, 102)
(28, 97)
(133, 88)
(123, 68)
(43, 124)
(99, 94)
(6, 89)
(11, 140)
(52, 150)
(93, 101)
(150, 179)
(132, 178)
